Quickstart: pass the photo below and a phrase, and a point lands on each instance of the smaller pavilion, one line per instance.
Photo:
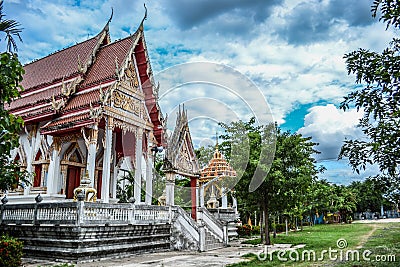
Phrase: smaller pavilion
(216, 181)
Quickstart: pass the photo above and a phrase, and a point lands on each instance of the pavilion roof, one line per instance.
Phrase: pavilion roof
(217, 166)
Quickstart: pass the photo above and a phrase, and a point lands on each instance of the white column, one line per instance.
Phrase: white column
(234, 204)
(105, 183)
(224, 199)
(149, 178)
(31, 157)
(138, 171)
(201, 189)
(115, 169)
(91, 156)
(170, 188)
(54, 167)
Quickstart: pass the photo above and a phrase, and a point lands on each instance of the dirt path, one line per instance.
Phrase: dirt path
(376, 224)
(365, 238)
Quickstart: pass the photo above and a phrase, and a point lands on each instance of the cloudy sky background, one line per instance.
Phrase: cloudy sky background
(291, 49)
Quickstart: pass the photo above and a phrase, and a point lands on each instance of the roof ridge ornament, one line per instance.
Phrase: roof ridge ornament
(57, 104)
(144, 18)
(112, 13)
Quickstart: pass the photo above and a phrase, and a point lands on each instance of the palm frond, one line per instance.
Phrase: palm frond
(11, 28)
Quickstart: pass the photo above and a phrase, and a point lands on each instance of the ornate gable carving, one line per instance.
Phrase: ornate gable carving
(180, 152)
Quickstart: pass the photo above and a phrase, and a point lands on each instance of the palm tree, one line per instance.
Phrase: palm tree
(10, 28)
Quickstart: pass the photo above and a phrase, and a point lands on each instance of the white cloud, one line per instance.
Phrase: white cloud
(329, 126)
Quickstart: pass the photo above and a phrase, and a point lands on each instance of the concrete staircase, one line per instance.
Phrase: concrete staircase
(205, 234)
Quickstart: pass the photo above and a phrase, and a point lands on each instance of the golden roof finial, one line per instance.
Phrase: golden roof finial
(216, 141)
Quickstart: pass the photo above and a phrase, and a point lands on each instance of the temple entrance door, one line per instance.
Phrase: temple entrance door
(38, 171)
(73, 180)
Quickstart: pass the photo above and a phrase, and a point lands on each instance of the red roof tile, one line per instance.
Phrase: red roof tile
(58, 65)
(104, 66)
(38, 114)
(83, 100)
(67, 123)
(44, 96)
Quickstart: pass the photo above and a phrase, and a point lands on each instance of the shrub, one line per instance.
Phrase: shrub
(244, 230)
(255, 230)
(248, 230)
(281, 227)
(10, 251)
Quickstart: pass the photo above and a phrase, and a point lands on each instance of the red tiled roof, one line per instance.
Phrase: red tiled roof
(104, 66)
(35, 99)
(38, 114)
(58, 65)
(83, 100)
(67, 123)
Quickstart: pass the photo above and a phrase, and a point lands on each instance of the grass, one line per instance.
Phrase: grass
(380, 239)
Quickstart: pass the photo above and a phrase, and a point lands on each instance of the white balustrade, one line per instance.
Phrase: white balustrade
(90, 213)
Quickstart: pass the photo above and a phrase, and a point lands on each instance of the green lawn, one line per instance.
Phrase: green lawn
(376, 241)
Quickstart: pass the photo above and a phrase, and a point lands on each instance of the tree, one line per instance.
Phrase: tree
(369, 193)
(11, 72)
(204, 155)
(11, 28)
(379, 99)
(343, 199)
(289, 176)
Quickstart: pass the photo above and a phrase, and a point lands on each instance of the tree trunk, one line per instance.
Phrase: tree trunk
(286, 226)
(262, 218)
(267, 239)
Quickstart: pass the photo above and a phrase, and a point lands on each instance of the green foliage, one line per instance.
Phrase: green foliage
(248, 230)
(287, 177)
(369, 195)
(244, 230)
(10, 251)
(379, 99)
(11, 72)
(204, 155)
(343, 199)
(125, 187)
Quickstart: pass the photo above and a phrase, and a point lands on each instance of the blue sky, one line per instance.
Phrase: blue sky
(291, 49)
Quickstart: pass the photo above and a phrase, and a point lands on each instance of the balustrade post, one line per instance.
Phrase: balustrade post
(132, 219)
(35, 213)
(170, 214)
(202, 236)
(225, 233)
(80, 212)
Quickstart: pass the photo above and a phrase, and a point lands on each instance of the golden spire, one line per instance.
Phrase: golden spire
(216, 141)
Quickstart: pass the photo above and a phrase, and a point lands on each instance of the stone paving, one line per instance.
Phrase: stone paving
(218, 257)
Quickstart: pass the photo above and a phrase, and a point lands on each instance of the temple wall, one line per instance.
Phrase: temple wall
(90, 242)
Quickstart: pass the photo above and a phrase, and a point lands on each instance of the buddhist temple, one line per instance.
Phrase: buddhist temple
(91, 107)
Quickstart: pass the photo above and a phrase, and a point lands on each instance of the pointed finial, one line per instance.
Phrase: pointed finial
(144, 18)
(216, 140)
(145, 13)
(112, 13)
